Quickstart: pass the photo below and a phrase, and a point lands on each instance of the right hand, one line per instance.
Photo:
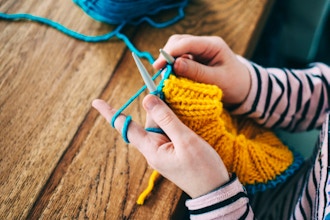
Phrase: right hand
(209, 60)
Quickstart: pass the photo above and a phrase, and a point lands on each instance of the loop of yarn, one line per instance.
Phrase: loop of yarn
(125, 128)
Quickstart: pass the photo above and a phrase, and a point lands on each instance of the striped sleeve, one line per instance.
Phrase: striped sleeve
(294, 100)
(230, 201)
(314, 199)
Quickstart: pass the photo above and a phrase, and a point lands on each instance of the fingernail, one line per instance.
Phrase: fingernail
(149, 102)
(180, 65)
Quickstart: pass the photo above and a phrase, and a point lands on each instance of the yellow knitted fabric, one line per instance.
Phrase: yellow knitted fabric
(254, 153)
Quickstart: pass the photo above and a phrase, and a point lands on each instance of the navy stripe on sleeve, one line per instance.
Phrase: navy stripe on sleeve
(219, 205)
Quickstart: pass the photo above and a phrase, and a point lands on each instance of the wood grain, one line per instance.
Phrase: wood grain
(48, 81)
(59, 159)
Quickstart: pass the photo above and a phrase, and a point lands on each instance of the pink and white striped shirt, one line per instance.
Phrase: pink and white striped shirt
(294, 100)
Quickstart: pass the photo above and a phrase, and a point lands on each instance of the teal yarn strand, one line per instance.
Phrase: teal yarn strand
(61, 28)
(79, 36)
(125, 128)
(142, 54)
(167, 71)
(119, 12)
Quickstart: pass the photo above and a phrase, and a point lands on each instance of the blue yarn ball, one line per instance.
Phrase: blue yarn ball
(125, 11)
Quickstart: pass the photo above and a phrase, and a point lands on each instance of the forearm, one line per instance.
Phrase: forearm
(291, 99)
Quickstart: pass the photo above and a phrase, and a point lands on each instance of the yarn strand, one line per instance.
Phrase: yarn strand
(118, 13)
(167, 70)
(61, 28)
(152, 179)
(79, 36)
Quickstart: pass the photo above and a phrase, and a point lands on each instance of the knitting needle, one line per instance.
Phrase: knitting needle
(170, 60)
(144, 73)
(153, 127)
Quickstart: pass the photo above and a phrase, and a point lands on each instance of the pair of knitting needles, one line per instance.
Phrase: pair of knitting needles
(144, 73)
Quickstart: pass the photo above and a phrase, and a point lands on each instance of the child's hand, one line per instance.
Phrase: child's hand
(208, 60)
(181, 155)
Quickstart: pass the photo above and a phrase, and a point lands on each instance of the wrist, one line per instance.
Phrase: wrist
(229, 200)
(211, 185)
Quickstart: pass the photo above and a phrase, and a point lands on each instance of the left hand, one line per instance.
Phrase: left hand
(180, 155)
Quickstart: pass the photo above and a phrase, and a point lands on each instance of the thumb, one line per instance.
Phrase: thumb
(193, 70)
(164, 117)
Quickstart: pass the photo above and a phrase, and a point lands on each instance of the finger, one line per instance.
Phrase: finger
(179, 46)
(202, 48)
(188, 56)
(150, 122)
(136, 134)
(160, 62)
(106, 111)
(196, 71)
(165, 118)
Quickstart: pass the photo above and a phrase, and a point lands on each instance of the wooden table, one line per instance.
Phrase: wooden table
(59, 159)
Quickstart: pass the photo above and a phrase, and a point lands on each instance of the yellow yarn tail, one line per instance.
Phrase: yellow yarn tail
(152, 179)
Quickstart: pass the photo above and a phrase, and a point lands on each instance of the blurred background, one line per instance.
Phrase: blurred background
(297, 33)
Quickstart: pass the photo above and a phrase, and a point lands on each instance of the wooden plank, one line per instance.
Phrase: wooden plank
(47, 82)
(110, 173)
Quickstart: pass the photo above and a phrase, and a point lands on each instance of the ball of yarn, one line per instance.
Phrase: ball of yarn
(119, 11)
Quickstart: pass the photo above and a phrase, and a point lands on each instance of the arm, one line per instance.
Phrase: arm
(291, 99)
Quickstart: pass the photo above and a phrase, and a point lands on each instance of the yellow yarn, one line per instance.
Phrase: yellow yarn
(154, 176)
(254, 153)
